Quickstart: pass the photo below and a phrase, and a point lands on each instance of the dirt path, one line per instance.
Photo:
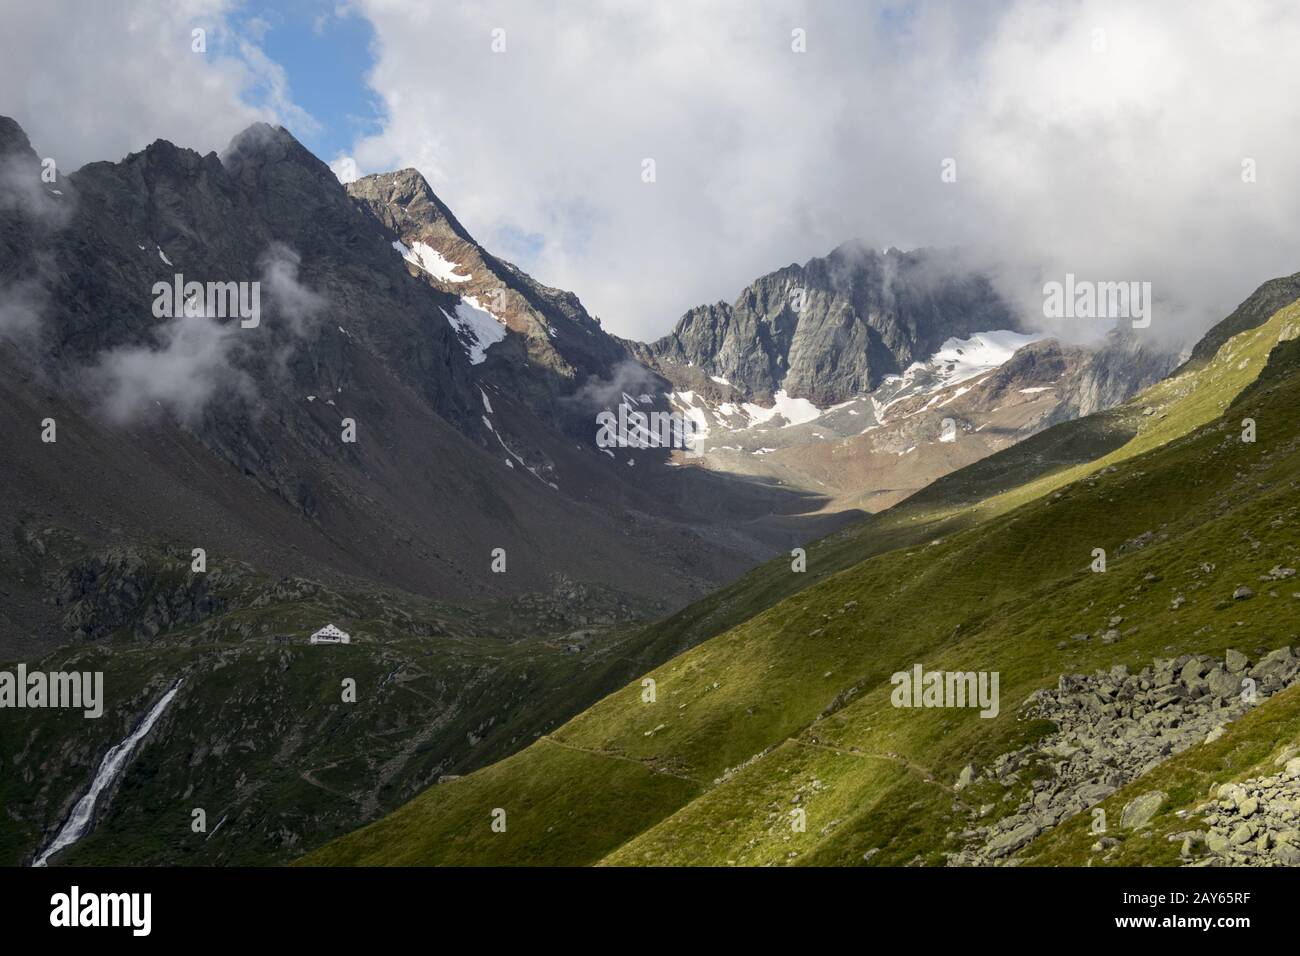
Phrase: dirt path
(307, 776)
(920, 771)
(598, 753)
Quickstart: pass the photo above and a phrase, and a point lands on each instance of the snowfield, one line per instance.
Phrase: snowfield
(795, 411)
(478, 328)
(959, 360)
(431, 261)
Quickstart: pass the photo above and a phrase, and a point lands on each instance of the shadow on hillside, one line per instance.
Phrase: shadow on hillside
(778, 516)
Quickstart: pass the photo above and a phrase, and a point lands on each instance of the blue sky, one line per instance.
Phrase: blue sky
(326, 54)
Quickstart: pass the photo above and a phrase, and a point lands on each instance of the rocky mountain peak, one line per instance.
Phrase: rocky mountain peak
(407, 191)
(13, 140)
(1253, 312)
(262, 144)
(30, 209)
(837, 325)
(532, 341)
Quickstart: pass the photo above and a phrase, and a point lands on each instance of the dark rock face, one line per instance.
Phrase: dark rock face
(835, 326)
(215, 218)
(120, 588)
(30, 212)
(255, 466)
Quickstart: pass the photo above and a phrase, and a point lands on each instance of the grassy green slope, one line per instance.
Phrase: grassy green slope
(996, 483)
(793, 701)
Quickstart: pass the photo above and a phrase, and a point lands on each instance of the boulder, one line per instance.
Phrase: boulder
(1013, 840)
(1242, 834)
(1223, 684)
(1139, 811)
(1287, 855)
(1278, 663)
(1191, 671)
(1091, 793)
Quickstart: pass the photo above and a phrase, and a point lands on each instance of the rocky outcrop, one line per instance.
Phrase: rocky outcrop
(123, 589)
(1111, 728)
(1120, 367)
(1258, 308)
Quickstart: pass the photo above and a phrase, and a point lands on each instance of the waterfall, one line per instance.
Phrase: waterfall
(110, 769)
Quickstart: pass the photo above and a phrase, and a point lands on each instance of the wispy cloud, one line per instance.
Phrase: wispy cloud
(21, 305)
(292, 301)
(195, 358)
(190, 363)
(630, 377)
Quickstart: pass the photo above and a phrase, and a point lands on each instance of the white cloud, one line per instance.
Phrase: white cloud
(21, 305)
(195, 358)
(190, 364)
(93, 81)
(1115, 164)
(1126, 163)
(345, 168)
(296, 304)
(1122, 164)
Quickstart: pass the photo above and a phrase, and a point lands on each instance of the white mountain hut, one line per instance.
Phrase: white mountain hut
(329, 634)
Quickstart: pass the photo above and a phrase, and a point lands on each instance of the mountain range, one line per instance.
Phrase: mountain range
(403, 443)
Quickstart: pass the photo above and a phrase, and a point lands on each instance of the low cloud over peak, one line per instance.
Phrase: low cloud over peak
(654, 158)
(1101, 139)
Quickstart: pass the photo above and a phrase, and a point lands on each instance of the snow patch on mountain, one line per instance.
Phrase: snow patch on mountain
(686, 404)
(795, 411)
(431, 261)
(932, 388)
(966, 358)
(478, 328)
(957, 361)
(940, 378)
